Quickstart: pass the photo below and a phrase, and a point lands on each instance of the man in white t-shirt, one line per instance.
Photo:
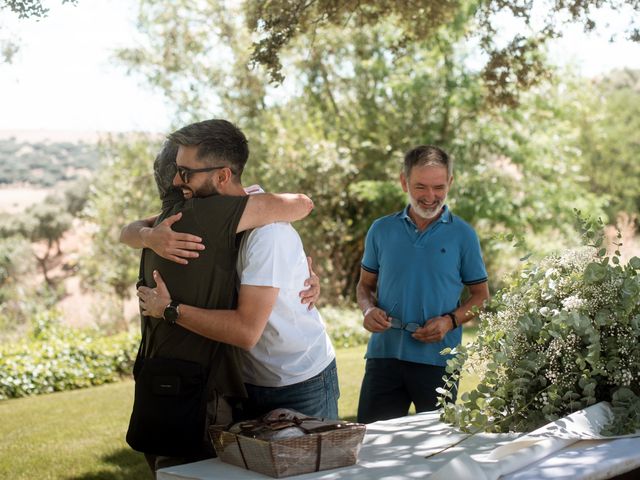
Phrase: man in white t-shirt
(293, 363)
(290, 362)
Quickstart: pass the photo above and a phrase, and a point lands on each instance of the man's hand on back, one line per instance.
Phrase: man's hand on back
(153, 301)
(311, 294)
(174, 246)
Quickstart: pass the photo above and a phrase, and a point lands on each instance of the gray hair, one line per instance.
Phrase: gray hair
(164, 168)
(425, 155)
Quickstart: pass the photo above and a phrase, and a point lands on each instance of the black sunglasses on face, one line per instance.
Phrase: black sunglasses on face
(185, 172)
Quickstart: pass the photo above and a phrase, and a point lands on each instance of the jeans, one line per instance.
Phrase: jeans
(315, 397)
(390, 386)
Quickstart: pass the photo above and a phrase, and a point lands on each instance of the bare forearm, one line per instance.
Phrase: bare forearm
(227, 326)
(475, 302)
(265, 208)
(133, 234)
(366, 297)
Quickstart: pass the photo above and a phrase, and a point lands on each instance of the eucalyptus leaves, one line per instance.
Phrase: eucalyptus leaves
(564, 335)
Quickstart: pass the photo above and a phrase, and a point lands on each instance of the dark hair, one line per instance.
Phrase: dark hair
(217, 141)
(427, 155)
(164, 168)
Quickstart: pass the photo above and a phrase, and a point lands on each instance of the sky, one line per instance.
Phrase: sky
(64, 76)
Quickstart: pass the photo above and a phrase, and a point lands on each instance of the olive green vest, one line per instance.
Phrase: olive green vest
(209, 281)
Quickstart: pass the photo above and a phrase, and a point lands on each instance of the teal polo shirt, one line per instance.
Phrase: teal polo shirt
(420, 275)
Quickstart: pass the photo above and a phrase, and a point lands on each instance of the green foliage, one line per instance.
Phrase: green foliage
(512, 64)
(344, 326)
(564, 335)
(123, 190)
(28, 8)
(46, 164)
(22, 303)
(176, 57)
(361, 110)
(15, 256)
(16, 260)
(352, 112)
(609, 138)
(55, 358)
(76, 195)
(46, 221)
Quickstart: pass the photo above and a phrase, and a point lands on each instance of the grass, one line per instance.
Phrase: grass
(70, 435)
(80, 434)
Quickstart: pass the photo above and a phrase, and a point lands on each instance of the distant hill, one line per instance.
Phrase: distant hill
(45, 163)
(41, 158)
(53, 136)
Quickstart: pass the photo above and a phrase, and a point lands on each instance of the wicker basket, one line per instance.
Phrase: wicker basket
(291, 456)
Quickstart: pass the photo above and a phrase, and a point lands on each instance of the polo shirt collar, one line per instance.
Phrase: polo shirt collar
(446, 217)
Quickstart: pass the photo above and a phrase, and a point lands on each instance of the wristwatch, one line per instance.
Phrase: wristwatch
(172, 312)
(454, 320)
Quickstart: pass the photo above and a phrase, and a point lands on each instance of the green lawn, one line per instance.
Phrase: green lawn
(70, 435)
(80, 434)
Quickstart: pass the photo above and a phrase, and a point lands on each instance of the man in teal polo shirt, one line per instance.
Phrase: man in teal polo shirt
(415, 265)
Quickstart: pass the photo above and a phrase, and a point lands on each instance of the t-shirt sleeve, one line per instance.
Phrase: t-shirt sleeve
(473, 270)
(273, 257)
(370, 257)
(219, 216)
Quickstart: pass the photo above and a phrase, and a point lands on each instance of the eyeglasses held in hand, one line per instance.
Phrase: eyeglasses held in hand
(409, 327)
(397, 323)
(185, 172)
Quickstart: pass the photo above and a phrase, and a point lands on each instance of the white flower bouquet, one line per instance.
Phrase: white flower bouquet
(563, 336)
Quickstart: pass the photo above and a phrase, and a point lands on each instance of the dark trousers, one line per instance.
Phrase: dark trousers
(390, 386)
(157, 462)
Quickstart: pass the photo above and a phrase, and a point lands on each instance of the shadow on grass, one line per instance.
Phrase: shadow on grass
(127, 465)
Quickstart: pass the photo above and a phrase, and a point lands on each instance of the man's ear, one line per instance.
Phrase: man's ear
(224, 176)
(450, 181)
(403, 182)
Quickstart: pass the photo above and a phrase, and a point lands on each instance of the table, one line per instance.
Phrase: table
(396, 449)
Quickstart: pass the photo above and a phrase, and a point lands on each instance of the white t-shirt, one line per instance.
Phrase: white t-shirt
(294, 345)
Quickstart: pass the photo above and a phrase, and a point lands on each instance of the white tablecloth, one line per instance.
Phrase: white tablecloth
(396, 449)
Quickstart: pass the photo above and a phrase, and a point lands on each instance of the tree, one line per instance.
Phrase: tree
(15, 261)
(24, 9)
(203, 71)
(510, 67)
(609, 139)
(354, 109)
(122, 191)
(76, 195)
(48, 222)
(28, 8)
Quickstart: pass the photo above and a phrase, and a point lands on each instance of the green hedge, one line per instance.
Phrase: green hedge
(344, 326)
(55, 358)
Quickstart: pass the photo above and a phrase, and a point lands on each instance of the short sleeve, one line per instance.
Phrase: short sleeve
(219, 215)
(473, 270)
(274, 257)
(370, 261)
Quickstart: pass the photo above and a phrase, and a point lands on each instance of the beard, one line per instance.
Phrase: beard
(426, 213)
(205, 190)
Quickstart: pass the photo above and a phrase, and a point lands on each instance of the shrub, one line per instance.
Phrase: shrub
(344, 326)
(56, 358)
(564, 335)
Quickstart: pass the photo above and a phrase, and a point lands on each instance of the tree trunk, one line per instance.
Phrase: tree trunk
(42, 262)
